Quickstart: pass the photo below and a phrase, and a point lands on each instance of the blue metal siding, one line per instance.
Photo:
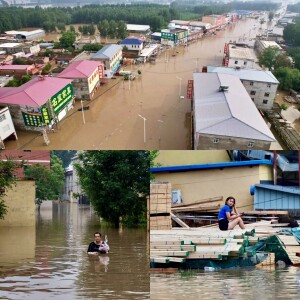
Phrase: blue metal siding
(276, 197)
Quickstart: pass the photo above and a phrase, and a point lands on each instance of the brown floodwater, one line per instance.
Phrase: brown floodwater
(113, 120)
(49, 261)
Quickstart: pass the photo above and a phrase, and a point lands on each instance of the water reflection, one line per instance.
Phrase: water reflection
(50, 260)
(247, 283)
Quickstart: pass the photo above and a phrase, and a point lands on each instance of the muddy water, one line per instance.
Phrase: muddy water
(113, 121)
(246, 284)
(50, 261)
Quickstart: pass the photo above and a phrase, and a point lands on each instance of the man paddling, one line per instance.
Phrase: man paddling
(98, 246)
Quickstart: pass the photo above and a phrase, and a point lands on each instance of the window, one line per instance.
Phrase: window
(216, 140)
(236, 62)
(2, 118)
(265, 101)
(245, 63)
(252, 93)
(251, 145)
(268, 85)
(267, 94)
(251, 83)
(252, 99)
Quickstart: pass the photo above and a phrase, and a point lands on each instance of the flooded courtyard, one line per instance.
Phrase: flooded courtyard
(49, 261)
(113, 121)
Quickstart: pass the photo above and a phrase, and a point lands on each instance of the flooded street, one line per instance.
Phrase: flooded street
(246, 284)
(50, 261)
(113, 120)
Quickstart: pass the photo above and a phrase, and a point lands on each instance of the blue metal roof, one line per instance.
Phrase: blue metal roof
(211, 166)
(131, 41)
(280, 188)
(107, 51)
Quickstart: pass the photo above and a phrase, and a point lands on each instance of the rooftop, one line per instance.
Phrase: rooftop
(107, 52)
(246, 74)
(9, 45)
(33, 93)
(229, 113)
(16, 67)
(80, 69)
(131, 41)
(241, 52)
(137, 27)
(267, 44)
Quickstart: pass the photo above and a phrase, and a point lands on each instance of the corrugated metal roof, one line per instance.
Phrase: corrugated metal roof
(80, 69)
(108, 51)
(137, 27)
(131, 41)
(34, 93)
(230, 164)
(241, 53)
(246, 74)
(231, 113)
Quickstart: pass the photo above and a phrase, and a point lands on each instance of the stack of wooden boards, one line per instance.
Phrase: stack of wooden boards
(178, 245)
(160, 206)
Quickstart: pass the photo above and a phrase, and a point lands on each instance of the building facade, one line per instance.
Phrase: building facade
(261, 85)
(110, 56)
(173, 37)
(7, 128)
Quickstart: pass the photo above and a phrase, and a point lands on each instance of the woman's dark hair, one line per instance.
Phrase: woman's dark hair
(97, 233)
(228, 198)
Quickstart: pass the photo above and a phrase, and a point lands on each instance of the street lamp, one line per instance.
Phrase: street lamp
(144, 127)
(180, 79)
(82, 112)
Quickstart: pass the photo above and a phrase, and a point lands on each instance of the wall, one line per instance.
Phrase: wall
(241, 63)
(6, 124)
(261, 88)
(198, 185)
(190, 157)
(203, 141)
(20, 202)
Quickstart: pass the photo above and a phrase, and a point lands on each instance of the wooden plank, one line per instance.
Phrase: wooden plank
(196, 208)
(177, 259)
(219, 198)
(169, 253)
(160, 208)
(173, 242)
(178, 221)
(203, 255)
(174, 247)
(209, 241)
(161, 260)
(266, 212)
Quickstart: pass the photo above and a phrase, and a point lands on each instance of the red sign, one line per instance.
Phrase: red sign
(190, 89)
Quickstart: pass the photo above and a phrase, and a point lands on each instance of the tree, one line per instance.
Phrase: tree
(92, 47)
(291, 34)
(268, 57)
(49, 183)
(116, 183)
(288, 78)
(65, 156)
(112, 30)
(62, 27)
(295, 54)
(72, 28)
(67, 39)
(122, 30)
(271, 16)
(282, 60)
(7, 180)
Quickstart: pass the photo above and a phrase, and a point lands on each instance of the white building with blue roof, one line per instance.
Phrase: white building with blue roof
(261, 85)
(110, 56)
(133, 44)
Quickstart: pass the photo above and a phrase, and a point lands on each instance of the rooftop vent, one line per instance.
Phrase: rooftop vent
(223, 88)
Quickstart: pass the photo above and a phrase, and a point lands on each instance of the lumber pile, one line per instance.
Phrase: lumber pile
(160, 206)
(291, 247)
(181, 244)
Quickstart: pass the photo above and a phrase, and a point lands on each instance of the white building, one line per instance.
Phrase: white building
(261, 45)
(261, 85)
(134, 28)
(7, 127)
(241, 57)
(27, 35)
(224, 116)
(111, 56)
(132, 44)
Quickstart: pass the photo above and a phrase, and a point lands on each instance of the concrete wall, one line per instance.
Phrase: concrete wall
(242, 63)
(190, 157)
(203, 141)
(202, 184)
(20, 202)
(260, 88)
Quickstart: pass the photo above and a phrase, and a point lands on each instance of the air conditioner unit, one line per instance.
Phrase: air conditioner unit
(176, 197)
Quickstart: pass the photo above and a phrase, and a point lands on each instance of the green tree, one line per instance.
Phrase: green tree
(112, 30)
(295, 54)
(291, 34)
(7, 180)
(122, 30)
(91, 29)
(67, 39)
(62, 27)
(49, 183)
(25, 79)
(288, 78)
(80, 29)
(92, 47)
(268, 57)
(72, 28)
(116, 183)
(65, 156)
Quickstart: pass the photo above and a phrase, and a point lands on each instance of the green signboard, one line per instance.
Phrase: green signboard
(32, 119)
(45, 115)
(62, 98)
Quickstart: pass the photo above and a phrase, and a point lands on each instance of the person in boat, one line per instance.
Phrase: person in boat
(98, 246)
(229, 217)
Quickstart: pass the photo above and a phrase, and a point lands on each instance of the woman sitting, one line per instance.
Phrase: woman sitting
(229, 217)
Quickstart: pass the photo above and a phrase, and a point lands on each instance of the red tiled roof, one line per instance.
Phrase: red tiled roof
(33, 93)
(16, 67)
(80, 69)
